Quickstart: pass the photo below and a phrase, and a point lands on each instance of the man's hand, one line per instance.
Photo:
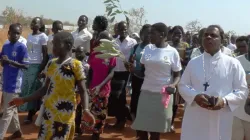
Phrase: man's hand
(129, 66)
(172, 85)
(219, 105)
(132, 58)
(16, 102)
(5, 59)
(202, 100)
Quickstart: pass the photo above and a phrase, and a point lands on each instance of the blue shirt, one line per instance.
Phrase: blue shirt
(138, 55)
(12, 76)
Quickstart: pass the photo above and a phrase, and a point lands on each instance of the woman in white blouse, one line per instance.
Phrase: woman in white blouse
(38, 58)
(162, 68)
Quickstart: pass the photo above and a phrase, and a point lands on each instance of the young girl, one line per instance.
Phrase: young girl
(101, 72)
(38, 57)
(80, 54)
(62, 74)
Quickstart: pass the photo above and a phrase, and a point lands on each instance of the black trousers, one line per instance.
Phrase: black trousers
(136, 91)
(118, 102)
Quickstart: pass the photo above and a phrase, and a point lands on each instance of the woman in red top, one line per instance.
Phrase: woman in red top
(100, 74)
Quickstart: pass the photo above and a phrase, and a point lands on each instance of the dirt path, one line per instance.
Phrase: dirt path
(30, 131)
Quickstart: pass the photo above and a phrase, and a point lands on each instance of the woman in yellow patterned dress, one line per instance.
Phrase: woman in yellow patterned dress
(62, 73)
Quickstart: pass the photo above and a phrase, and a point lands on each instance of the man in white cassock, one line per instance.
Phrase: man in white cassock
(213, 86)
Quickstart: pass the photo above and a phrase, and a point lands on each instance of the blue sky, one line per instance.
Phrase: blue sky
(230, 14)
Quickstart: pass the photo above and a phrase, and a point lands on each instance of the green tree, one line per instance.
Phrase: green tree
(111, 24)
(137, 18)
(230, 33)
(194, 26)
(46, 21)
(11, 15)
(113, 8)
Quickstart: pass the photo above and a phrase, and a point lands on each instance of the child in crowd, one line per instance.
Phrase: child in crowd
(80, 54)
(57, 27)
(21, 39)
(62, 74)
(14, 58)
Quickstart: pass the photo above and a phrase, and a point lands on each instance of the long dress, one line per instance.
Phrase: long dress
(58, 120)
(228, 80)
(30, 81)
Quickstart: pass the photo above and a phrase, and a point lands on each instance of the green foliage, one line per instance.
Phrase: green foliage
(137, 19)
(114, 8)
(11, 15)
(230, 33)
(108, 49)
(194, 26)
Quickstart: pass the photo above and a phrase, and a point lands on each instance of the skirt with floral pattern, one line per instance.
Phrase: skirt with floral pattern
(98, 107)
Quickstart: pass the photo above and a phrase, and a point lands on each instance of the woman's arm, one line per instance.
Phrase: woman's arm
(176, 68)
(177, 77)
(247, 106)
(89, 77)
(143, 69)
(16, 64)
(45, 58)
(39, 93)
(81, 85)
(109, 77)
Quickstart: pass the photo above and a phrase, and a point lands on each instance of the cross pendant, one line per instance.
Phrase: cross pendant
(206, 85)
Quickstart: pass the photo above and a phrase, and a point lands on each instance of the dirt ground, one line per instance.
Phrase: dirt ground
(30, 131)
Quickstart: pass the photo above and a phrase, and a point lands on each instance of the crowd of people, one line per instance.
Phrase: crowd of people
(74, 91)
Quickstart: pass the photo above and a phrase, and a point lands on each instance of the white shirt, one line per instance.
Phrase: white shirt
(227, 75)
(196, 52)
(34, 44)
(240, 112)
(50, 44)
(21, 39)
(232, 47)
(159, 64)
(227, 51)
(82, 38)
(125, 47)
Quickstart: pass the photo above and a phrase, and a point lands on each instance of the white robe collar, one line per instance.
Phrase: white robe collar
(215, 56)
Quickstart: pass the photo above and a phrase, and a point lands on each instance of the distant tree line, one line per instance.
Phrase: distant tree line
(12, 15)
